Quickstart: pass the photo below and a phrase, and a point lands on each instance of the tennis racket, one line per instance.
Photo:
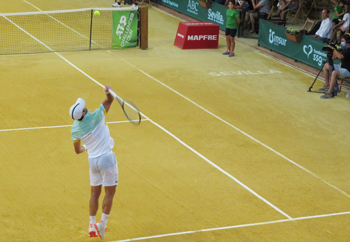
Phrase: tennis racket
(131, 112)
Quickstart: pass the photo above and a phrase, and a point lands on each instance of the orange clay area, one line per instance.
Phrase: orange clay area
(229, 149)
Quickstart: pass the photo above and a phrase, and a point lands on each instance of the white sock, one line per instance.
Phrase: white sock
(104, 219)
(92, 220)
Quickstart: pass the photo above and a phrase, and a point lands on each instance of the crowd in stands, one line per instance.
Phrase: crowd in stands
(325, 30)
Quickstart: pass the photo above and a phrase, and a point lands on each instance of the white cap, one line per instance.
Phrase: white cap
(76, 111)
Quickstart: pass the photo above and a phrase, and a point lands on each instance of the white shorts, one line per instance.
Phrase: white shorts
(104, 170)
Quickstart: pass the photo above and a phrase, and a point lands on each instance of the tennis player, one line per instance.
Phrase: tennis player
(118, 4)
(92, 130)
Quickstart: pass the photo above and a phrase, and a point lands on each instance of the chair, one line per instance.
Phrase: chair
(344, 82)
(309, 24)
(299, 13)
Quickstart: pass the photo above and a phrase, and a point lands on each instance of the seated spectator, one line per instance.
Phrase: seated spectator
(287, 5)
(342, 26)
(324, 33)
(338, 11)
(340, 71)
(263, 6)
(243, 5)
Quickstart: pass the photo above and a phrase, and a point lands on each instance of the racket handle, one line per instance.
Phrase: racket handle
(114, 94)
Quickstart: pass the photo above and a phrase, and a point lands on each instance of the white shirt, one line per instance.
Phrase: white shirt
(346, 18)
(94, 132)
(326, 29)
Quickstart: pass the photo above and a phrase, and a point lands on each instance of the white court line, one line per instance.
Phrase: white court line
(242, 132)
(183, 143)
(234, 227)
(61, 126)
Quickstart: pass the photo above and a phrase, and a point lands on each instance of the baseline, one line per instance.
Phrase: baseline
(234, 226)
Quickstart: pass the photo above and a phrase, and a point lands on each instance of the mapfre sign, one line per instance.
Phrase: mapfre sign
(197, 35)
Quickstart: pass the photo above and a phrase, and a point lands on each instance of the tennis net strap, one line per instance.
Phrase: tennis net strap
(48, 31)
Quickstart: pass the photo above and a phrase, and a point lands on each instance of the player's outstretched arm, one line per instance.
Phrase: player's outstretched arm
(107, 102)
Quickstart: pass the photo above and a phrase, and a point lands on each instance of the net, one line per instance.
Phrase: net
(56, 31)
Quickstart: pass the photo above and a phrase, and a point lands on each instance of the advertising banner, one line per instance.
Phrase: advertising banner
(124, 29)
(215, 14)
(308, 50)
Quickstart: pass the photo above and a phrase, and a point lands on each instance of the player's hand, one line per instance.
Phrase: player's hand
(106, 89)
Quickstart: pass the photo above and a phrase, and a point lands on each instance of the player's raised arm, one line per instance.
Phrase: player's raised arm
(107, 102)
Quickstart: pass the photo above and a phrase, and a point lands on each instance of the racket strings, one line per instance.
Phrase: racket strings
(131, 112)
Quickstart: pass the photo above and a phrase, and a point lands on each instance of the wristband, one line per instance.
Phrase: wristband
(84, 147)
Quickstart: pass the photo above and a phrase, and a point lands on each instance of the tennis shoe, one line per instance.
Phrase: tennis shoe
(116, 5)
(226, 52)
(100, 230)
(324, 89)
(231, 54)
(92, 231)
(327, 96)
(134, 6)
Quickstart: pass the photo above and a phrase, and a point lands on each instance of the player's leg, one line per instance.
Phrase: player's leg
(109, 170)
(96, 184)
(228, 44)
(95, 194)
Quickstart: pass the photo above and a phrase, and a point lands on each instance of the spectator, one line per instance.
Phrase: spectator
(324, 33)
(340, 71)
(288, 5)
(232, 23)
(243, 5)
(342, 26)
(339, 11)
(263, 7)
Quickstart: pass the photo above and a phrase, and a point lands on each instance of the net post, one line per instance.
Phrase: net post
(92, 15)
(143, 10)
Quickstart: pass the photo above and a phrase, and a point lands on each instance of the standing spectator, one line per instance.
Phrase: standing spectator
(263, 6)
(232, 23)
(340, 71)
(342, 26)
(339, 11)
(324, 33)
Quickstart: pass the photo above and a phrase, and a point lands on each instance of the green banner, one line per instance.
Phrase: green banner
(124, 29)
(215, 14)
(308, 50)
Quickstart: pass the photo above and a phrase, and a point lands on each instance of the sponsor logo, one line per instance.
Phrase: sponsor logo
(180, 35)
(192, 7)
(307, 50)
(202, 37)
(276, 40)
(231, 73)
(215, 17)
(317, 56)
(169, 2)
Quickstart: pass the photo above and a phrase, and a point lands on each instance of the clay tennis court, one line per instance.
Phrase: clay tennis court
(229, 149)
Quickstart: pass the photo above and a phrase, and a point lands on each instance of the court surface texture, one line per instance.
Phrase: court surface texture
(229, 149)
